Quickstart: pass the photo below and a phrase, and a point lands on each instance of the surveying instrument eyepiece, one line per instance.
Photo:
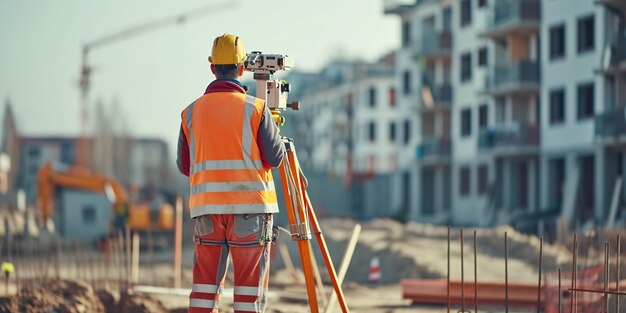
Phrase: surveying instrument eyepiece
(303, 224)
(273, 91)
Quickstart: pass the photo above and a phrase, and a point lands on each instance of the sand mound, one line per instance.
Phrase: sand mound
(65, 296)
(59, 296)
(139, 303)
(416, 250)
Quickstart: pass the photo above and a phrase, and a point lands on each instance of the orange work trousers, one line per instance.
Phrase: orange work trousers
(247, 238)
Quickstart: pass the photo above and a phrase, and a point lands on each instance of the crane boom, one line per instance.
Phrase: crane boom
(159, 23)
(83, 157)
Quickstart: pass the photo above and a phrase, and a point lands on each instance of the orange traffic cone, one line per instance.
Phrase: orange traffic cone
(374, 273)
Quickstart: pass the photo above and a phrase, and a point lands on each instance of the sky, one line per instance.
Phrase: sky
(147, 80)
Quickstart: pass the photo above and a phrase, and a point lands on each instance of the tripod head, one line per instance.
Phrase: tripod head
(273, 91)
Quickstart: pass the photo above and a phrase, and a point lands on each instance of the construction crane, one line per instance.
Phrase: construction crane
(83, 152)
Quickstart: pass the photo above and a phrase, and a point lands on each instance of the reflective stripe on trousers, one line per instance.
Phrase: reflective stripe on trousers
(234, 234)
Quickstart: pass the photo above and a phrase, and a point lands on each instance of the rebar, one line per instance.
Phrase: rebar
(560, 293)
(462, 275)
(539, 280)
(617, 277)
(573, 278)
(475, 276)
(448, 286)
(506, 273)
(607, 263)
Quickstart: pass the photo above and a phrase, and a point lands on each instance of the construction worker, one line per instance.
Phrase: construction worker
(227, 145)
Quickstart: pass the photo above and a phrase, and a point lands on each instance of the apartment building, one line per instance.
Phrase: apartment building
(512, 138)
(608, 42)
(350, 132)
(519, 106)
(442, 66)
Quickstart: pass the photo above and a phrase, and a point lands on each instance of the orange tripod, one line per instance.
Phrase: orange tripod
(300, 213)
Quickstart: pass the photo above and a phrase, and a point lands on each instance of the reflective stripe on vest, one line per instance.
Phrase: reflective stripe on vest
(239, 184)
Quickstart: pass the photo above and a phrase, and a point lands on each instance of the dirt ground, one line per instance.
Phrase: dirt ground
(405, 251)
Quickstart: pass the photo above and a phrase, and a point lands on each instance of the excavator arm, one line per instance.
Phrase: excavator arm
(138, 216)
(75, 177)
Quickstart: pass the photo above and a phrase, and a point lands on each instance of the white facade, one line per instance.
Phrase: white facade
(511, 151)
(353, 120)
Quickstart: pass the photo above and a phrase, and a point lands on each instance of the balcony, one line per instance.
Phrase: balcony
(611, 125)
(518, 138)
(614, 58)
(435, 96)
(516, 77)
(613, 4)
(399, 6)
(434, 45)
(434, 149)
(514, 16)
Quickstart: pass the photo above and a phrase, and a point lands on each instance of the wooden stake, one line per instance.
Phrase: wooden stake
(178, 242)
(284, 254)
(57, 258)
(135, 259)
(318, 277)
(128, 255)
(343, 269)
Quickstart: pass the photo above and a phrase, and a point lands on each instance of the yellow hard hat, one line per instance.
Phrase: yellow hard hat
(228, 49)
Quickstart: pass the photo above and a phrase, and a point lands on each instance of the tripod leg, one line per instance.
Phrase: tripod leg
(298, 224)
(324, 249)
(318, 234)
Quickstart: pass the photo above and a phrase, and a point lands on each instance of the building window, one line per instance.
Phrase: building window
(34, 152)
(585, 101)
(557, 106)
(33, 169)
(483, 179)
(392, 97)
(466, 67)
(522, 184)
(557, 42)
(556, 181)
(586, 34)
(89, 214)
(466, 122)
(465, 180)
(482, 3)
(392, 131)
(406, 33)
(466, 12)
(372, 96)
(482, 57)
(406, 82)
(371, 131)
(407, 132)
(483, 116)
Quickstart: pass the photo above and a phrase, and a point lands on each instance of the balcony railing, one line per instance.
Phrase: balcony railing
(522, 74)
(435, 95)
(611, 123)
(434, 44)
(434, 147)
(509, 136)
(398, 6)
(616, 4)
(615, 54)
(515, 14)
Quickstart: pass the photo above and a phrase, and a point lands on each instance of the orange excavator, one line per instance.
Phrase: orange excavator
(139, 217)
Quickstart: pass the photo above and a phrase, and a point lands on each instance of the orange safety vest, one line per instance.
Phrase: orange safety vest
(226, 173)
